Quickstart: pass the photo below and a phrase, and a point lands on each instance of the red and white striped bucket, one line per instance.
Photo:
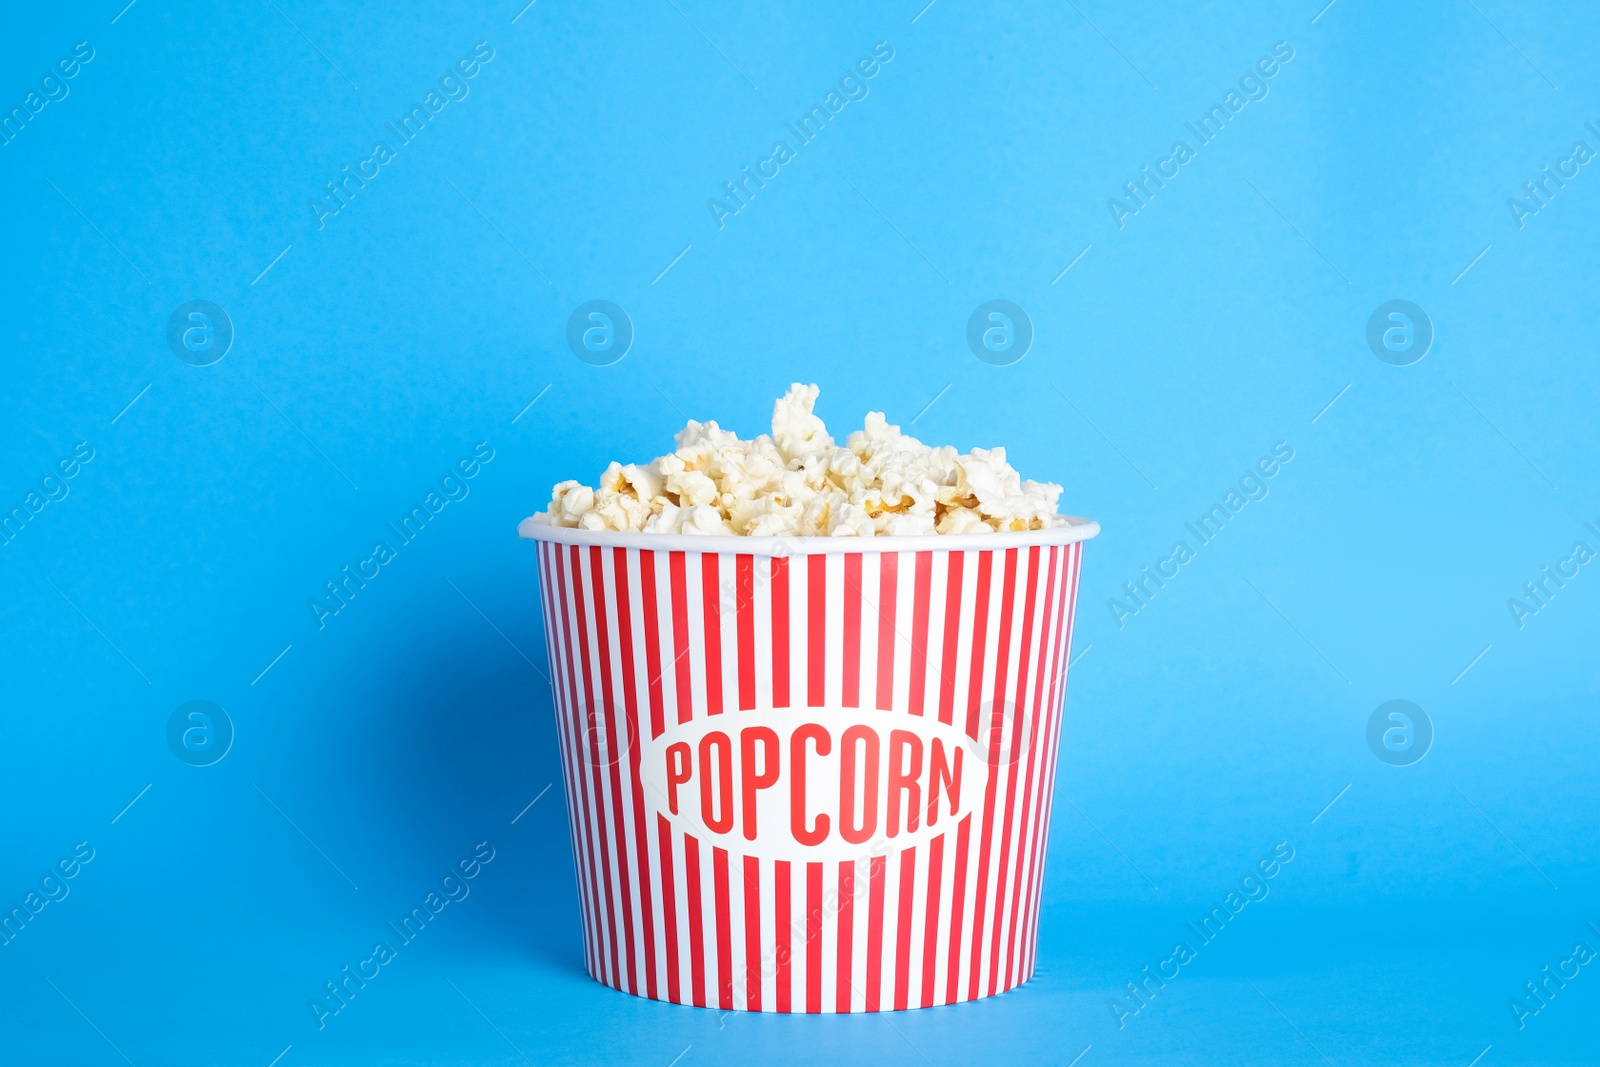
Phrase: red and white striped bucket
(810, 775)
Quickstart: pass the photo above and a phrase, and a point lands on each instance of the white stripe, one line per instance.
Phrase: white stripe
(799, 617)
(838, 595)
(694, 595)
(905, 632)
(946, 923)
(938, 587)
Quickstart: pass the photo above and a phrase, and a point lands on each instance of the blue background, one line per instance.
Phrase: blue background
(374, 352)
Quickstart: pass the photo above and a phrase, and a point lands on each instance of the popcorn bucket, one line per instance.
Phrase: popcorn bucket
(809, 775)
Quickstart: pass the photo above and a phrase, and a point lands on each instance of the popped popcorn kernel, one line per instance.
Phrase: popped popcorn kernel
(798, 482)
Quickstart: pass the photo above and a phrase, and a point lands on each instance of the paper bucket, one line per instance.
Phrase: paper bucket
(809, 775)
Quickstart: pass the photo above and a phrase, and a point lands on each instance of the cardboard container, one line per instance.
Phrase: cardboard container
(809, 774)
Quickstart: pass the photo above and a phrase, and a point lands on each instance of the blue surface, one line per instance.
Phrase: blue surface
(375, 347)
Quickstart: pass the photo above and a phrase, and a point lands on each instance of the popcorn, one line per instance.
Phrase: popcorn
(798, 482)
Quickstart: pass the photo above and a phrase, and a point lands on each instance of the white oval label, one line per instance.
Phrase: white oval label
(813, 784)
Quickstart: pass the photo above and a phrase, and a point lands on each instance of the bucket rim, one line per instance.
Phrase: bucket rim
(1074, 530)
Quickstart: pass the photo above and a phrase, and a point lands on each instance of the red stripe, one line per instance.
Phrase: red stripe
(577, 814)
(711, 599)
(1066, 606)
(919, 631)
(1069, 607)
(669, 907)
(1025, 856)
(852, 630)
(952, 638)
(652, 643)
(1022, 727)
(745, 624)
(902, 939)
(1035, 872)
(980, 635)
(697, 933)
(630, 703)
(930, 927)
(752, 934)
(780, 633)
(846, 920)
(874, 944)
(888, 571)
(578, 737)
(613, 797)
(719, 882)
(783, 971)
(546, 591)
(814, 936)
(680, 636)
(612, 760)
(1044, 789)
(587, 763)
(1032, 807)
(957, 900)
(817, 628)
(980, 900)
